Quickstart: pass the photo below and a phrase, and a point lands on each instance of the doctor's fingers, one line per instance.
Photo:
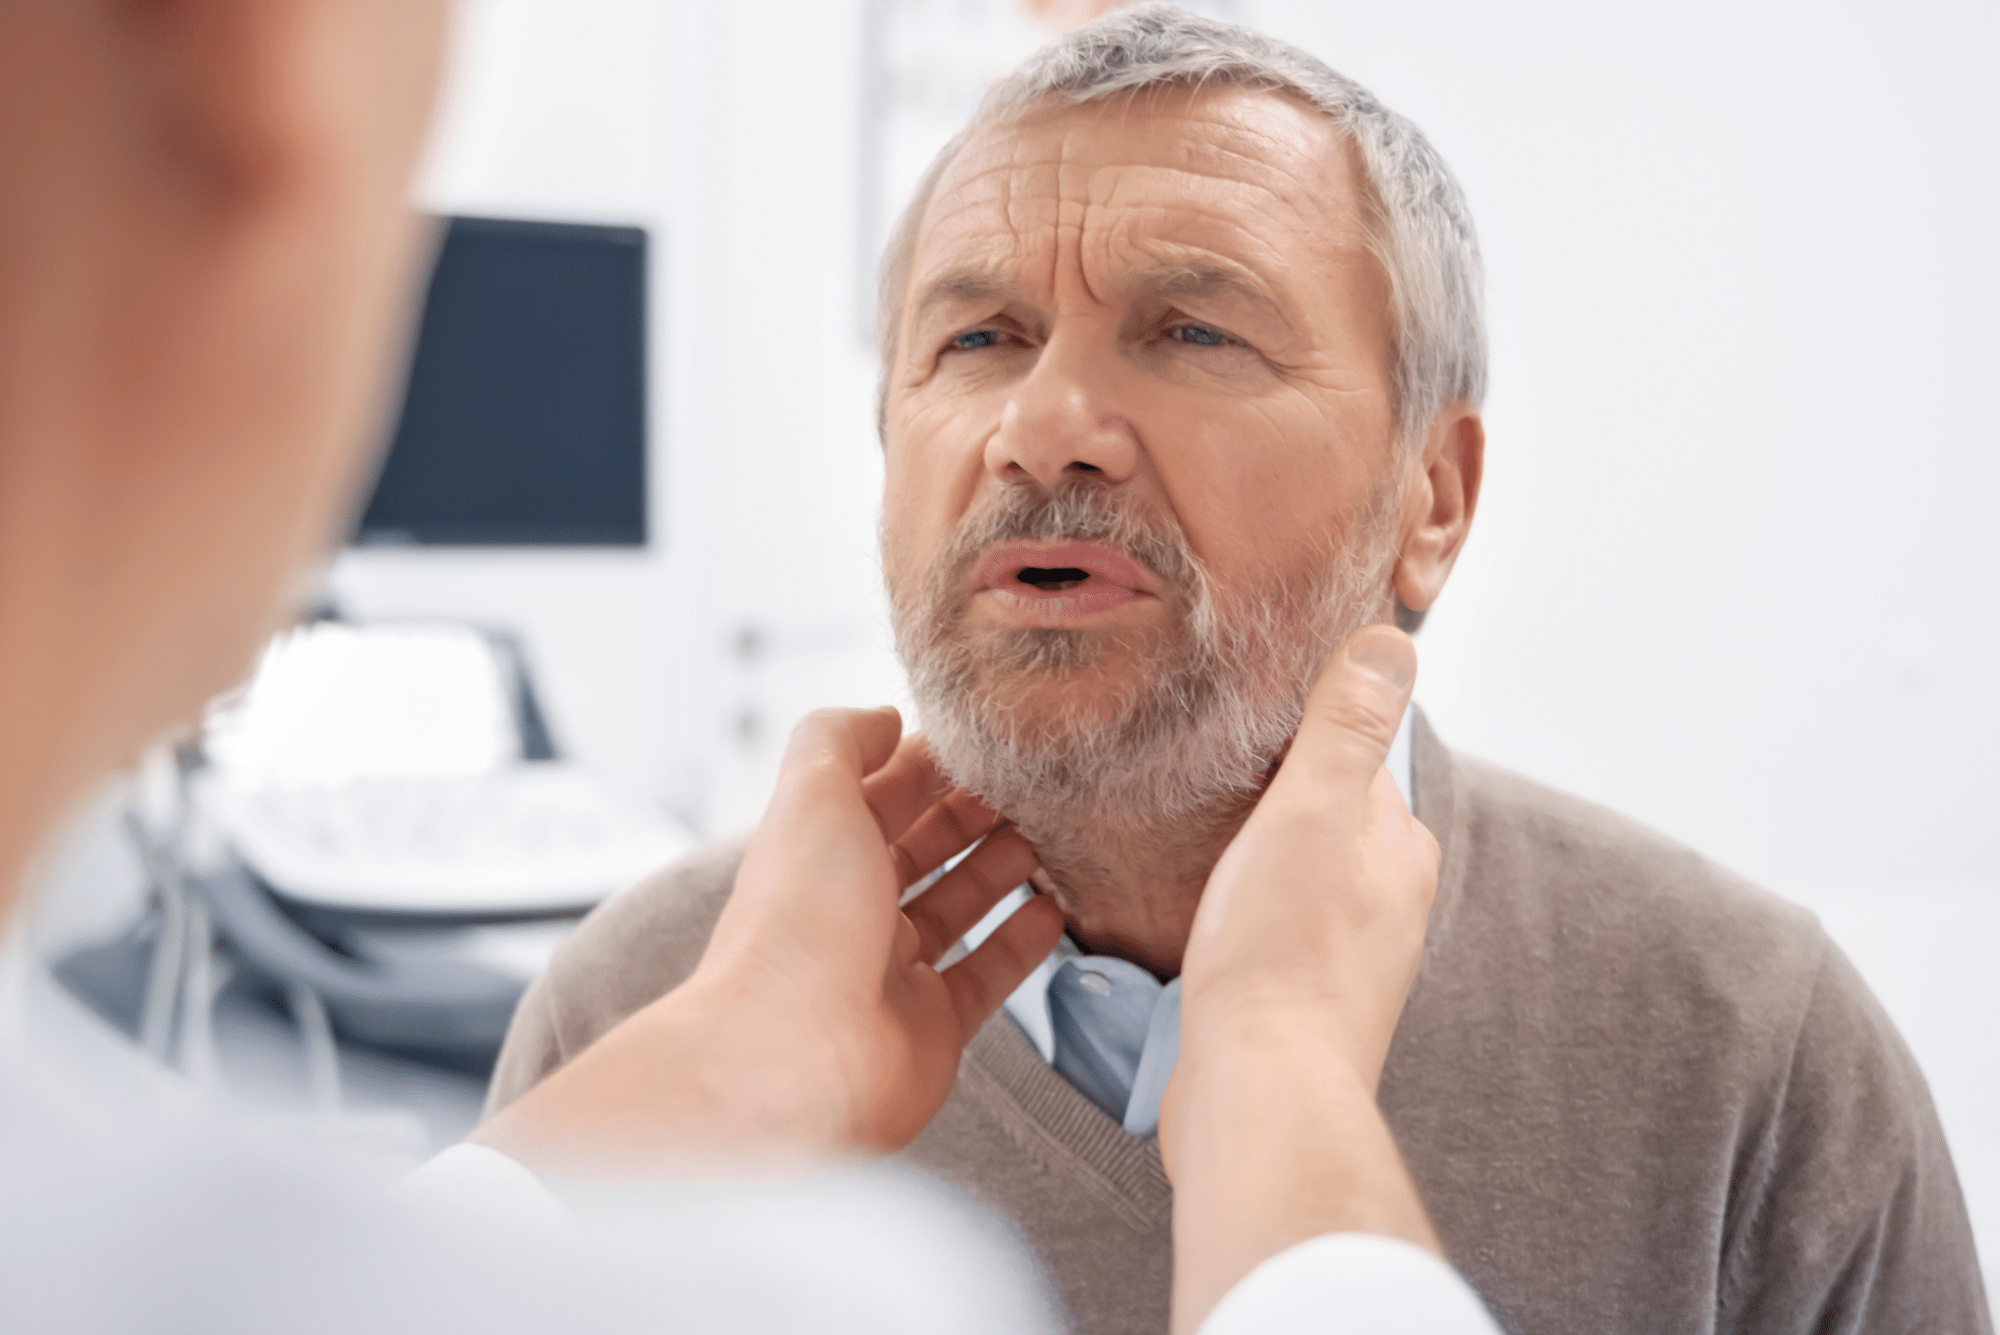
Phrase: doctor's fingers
(1350, 719)
(946, 828)
(965, 894)
(818, 799)
(830, 754)
(982, 980)
(906, 786)
(1392, 829)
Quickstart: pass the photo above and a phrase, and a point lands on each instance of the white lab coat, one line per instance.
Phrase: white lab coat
(128, 1206)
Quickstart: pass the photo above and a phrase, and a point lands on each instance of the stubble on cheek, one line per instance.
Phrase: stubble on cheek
(1067, 731)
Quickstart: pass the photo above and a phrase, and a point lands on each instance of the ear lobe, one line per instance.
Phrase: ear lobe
(1443, 498)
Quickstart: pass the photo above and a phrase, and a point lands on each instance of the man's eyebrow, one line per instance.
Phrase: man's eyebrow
(1173, 280)
(965, 286)
(1180, 280)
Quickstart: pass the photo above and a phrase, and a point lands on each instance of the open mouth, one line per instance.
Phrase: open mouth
(1059, 580)
(1052, 579)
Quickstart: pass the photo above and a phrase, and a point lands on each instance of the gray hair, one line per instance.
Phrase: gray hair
(1422, 232)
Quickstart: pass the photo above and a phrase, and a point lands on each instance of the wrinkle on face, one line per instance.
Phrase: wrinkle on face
(1051, 227)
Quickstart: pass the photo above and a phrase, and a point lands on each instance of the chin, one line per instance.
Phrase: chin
(1055, 678)
(1053, 710)
(1065, 755)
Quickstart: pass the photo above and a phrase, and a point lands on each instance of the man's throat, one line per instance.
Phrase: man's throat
(1132, 894)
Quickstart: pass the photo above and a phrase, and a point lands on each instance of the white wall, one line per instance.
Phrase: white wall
(1730, 574)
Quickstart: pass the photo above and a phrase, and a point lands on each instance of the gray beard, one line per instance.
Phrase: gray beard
(1182, 755)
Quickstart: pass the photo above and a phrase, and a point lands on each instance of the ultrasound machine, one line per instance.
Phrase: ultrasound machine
(379, 840)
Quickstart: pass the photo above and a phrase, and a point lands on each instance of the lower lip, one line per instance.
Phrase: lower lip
(1090, 598)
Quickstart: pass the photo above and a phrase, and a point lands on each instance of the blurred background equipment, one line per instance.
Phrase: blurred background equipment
(406, 769)
(365, 857)
(525, 418)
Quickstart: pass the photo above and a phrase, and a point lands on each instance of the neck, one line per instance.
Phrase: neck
(1131, 890)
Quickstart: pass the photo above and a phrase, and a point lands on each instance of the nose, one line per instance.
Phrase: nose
(1063, 420)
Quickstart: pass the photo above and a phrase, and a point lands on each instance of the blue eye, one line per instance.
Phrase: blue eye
(1199, 335)
(977, 338)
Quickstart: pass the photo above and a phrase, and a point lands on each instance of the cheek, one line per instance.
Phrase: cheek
(931, 472)
(907, 537)
(1267, 492)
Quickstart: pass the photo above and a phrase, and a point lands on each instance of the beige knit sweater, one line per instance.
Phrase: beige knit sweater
(1637, 1093)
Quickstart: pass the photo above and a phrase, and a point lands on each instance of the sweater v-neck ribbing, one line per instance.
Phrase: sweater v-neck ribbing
(1635, 1092)
(1003, 1071)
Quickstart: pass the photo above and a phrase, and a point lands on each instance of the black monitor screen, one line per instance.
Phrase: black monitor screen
(525, 418)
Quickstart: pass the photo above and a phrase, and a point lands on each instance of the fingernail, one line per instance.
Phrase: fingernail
(1386, 653)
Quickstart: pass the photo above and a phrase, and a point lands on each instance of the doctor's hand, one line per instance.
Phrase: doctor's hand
(1315, 914)
(817, 1022)
(1304, 948)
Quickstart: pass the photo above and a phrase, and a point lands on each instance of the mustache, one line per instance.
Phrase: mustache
(1079, 511)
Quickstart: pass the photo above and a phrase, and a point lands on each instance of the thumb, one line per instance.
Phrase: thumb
(818, 817)
(1352, 715)
(831, 752)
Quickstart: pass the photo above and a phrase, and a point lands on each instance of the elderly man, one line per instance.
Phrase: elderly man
(1183, 359)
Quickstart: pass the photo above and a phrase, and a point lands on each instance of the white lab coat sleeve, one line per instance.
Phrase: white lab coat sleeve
(478, 1182)
(1353, 1283)
(840, 1250)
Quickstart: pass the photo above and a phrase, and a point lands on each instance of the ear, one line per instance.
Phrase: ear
(1437, 511)
(247, 102)
(214, 86)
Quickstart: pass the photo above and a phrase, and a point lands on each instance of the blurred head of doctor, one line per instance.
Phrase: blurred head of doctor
(206, 266)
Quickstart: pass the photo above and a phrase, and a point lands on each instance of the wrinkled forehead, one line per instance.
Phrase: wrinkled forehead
(1246, 176)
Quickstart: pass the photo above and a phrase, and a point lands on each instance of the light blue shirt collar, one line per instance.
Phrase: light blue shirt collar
(1124, 1011)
